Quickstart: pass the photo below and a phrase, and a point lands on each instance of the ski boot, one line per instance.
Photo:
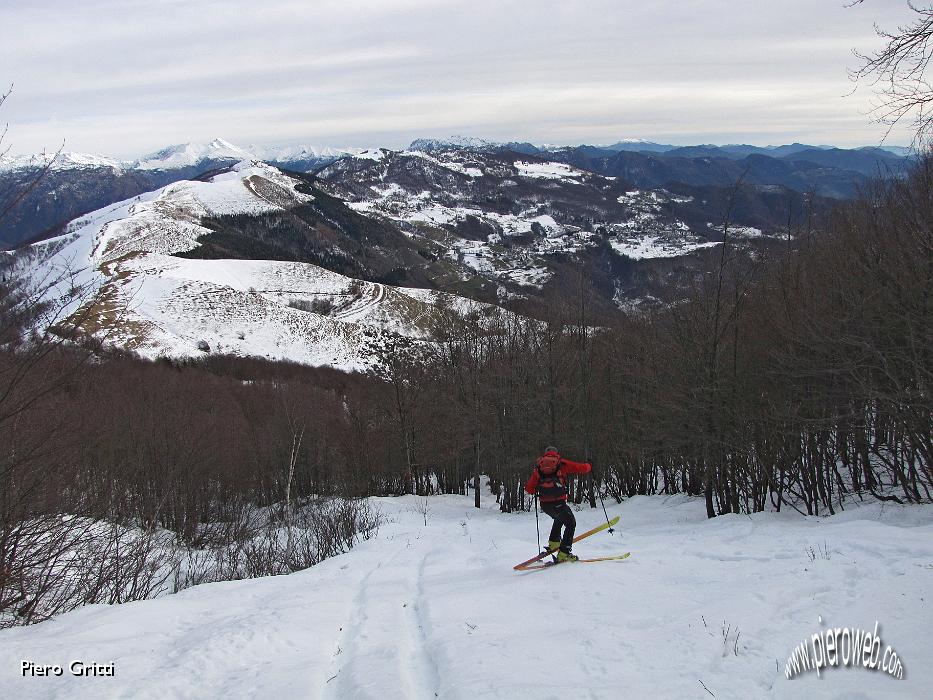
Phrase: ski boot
(563, 556)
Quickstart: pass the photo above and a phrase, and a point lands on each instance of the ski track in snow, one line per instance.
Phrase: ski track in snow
(383, 651)
(424, 611)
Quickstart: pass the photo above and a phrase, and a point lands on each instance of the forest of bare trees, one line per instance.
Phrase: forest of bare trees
(796, 381)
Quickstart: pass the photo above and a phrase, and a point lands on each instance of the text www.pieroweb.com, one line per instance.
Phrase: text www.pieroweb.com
(843, 646)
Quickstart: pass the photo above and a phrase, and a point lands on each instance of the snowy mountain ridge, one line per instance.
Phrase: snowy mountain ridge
(65, 160)
(300, 152)
(190, 154)
(178, 156)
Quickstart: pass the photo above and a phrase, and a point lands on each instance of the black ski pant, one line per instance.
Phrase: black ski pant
(563, 518)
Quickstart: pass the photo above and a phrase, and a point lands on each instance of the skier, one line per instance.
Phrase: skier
(549, 482)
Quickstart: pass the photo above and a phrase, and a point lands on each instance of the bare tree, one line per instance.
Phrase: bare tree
(11, 199)
(898, 72)
(297, 430)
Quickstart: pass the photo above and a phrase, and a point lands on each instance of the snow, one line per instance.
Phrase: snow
(281, 154)
(656, 247)
(490, 257)
(230, 193)
(457, 167)
(746, 231)
(646, 226)
(62, 161)
(548, 171)
(179, 156)
(475, 255)
(165, 220)
(439, 214)
(436, 610)
(451, 143)
(189, 154)
(376, 154)
(238, 307)
(458, 304)
(741, 231)
(547, 222)
(394, 201)
(651, 199)
(244, 307)
(528, 277)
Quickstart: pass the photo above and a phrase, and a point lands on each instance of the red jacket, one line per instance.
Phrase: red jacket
(564, 468)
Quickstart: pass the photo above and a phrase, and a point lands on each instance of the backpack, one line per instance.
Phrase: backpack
(550, 486)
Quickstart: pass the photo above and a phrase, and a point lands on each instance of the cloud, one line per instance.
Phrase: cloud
(127, 77)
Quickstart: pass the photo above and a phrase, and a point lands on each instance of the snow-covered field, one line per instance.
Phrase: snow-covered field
(436, 610)
(642, 247)
(549, 171)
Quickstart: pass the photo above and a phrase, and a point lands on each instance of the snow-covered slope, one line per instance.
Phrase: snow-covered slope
(702, 608)
(509, 217)
(141, 296)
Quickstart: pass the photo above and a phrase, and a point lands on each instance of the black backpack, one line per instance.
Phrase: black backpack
(550, 486)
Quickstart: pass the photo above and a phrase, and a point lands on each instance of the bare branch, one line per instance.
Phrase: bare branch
(897, 73)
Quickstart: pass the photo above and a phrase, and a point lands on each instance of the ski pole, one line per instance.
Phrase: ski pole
(537, 526)
(599, 491)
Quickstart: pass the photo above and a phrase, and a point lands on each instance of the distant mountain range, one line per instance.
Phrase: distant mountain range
(640, 146)
(78, 183)
(177, 157)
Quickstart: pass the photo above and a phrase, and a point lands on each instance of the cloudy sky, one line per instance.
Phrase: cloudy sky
(125, 77)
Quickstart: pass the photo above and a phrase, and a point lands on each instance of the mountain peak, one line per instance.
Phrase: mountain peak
(188, 154)
(223, 144)
(466, 142)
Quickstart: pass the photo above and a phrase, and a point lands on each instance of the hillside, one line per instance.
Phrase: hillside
(515, 219)
(435, 610)
(142, 294)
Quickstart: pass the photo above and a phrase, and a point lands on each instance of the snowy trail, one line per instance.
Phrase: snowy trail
(437, 611)
(386, 628)
(360, 308)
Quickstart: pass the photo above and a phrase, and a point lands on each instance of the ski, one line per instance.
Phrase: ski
(546, 565)
(549, 552)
